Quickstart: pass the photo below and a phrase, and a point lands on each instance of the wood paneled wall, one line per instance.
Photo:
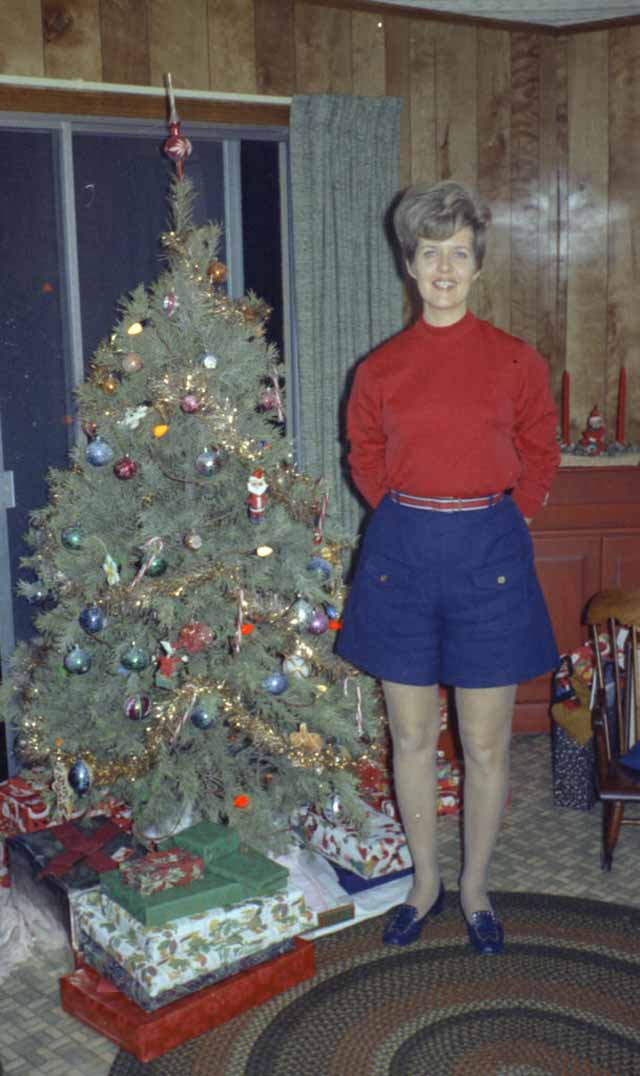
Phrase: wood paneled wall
(546, 126)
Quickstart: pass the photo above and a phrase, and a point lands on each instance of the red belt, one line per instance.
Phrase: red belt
(445, 504)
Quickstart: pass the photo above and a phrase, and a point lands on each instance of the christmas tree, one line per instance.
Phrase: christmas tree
(193, 577)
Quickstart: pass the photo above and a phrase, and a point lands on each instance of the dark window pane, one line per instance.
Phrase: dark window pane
(33, 396)
(122, 183)
(261, 229)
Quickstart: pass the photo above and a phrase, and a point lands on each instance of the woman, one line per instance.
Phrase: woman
(452, 432)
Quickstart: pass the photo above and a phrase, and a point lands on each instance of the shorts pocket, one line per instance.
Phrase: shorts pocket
(503, 583)
(385, 574)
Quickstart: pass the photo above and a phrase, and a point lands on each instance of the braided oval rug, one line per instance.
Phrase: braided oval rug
(562, 1000)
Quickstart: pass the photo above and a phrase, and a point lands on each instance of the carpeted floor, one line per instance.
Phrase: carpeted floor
(559, 1001)
(542, 850)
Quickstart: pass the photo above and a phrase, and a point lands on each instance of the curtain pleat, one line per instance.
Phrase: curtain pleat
(345, 166)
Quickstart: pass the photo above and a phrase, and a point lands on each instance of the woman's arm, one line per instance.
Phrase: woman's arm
(535, 436)
(365, 431)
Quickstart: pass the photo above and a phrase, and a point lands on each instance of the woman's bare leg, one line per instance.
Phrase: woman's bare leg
(414, 719)
(485, 717)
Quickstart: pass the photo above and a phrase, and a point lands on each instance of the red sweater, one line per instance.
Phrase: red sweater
(459, 411)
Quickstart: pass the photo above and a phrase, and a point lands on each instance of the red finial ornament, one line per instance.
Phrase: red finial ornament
(177, 148)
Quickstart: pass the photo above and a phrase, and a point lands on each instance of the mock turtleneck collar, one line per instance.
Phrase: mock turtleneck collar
(446, 334)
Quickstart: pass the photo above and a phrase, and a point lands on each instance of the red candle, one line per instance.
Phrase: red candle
(565, 408)
(622, 399)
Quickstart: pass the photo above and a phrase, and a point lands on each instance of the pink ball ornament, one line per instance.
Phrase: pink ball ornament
(189, 404)
(137, 707)
(268, 399)
(125, 468)
(170, 304)
(319, 622)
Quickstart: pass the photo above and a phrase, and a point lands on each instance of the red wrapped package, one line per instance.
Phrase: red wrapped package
(162, 870)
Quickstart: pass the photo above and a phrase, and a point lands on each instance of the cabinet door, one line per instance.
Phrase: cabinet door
(621, 561)
(568, 567)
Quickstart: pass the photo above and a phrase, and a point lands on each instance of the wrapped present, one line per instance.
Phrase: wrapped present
(232, 874)
(96, 1002)
(213, 890)
(378, 849)
(160, 959)
(75, 853)
(162, 870)
(98, 958)
(23, 810)
(210, 840)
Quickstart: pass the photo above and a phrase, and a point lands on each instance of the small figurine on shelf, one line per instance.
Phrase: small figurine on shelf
(593, 437)
(257, 499)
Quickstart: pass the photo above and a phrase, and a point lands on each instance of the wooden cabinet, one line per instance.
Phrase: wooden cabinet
(586, 539)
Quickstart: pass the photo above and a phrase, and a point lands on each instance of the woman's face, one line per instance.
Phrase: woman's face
(444, 270)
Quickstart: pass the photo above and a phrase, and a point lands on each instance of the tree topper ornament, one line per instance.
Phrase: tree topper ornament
(257, 499)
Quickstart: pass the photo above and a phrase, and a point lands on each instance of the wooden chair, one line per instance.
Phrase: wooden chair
(616, 713)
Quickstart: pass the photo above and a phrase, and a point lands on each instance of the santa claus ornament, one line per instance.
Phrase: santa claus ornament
(257, 500)
(593, 438)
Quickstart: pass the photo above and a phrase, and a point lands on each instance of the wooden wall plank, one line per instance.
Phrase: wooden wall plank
(125, 42)
(624, 223)
(553, 216)
(232, 46)
(588, 191)
(456, 103)
(525, 145)
(72, 46)
(323, 49)
(422, 90)
(396, 40)
(494, 172)
(21, 44)
(275, 52)
(368, 54)
(178, 43)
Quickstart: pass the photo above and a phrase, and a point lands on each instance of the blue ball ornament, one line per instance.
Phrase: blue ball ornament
(134, 658)
(209, 462)
(320, 567)
(92, 619)
(98, 453)
(79, 777)
(203, 714)
(73, 537)
(332, 612)
(77, 661)
(276, 682)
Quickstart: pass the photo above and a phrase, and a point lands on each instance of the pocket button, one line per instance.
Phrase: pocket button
(384, 578)
(502, 578)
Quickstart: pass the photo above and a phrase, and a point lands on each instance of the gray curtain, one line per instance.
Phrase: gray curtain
(345, 164)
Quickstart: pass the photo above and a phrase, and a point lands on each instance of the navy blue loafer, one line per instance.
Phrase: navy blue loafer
(486, 933)
(404, 927)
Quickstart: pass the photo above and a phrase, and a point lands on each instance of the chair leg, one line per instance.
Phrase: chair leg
(612, 815)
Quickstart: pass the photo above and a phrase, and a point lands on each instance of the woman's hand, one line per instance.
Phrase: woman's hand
(528, 520)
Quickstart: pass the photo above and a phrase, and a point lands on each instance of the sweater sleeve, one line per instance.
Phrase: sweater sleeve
(365, 431)
(535, 437)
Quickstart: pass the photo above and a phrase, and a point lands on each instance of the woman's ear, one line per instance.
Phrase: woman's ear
(411, 271)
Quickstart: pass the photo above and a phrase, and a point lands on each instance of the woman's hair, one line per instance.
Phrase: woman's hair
(436, 212)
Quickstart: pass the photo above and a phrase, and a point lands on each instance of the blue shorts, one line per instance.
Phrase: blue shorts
(447, 597)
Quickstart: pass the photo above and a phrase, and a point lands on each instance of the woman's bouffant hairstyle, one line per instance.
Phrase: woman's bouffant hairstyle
(437, 211)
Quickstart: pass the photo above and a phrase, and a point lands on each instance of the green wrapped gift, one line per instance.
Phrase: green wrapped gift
(209, 840)
(215, 890)
(260, 876)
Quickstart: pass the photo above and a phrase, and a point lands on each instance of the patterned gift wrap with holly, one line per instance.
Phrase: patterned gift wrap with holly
(380, 848)
(162, 870)
(97, 958)
(24, 810)
(159, 959)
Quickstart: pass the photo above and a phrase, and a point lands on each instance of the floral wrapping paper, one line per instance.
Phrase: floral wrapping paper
(379, 850)
(162, 870)
(22, 810)
(162, 958)
(97, 957)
